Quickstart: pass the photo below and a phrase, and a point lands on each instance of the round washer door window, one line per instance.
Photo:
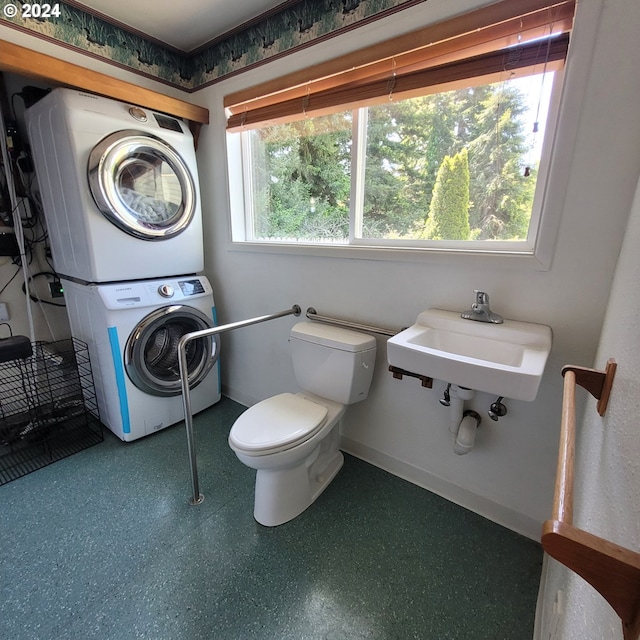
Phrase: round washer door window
(142, 185)
(151, 353)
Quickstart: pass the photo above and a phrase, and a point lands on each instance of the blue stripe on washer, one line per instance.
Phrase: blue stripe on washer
(120, 380)
(214, 315)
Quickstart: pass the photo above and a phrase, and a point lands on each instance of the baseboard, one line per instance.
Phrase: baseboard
(238, 396)
(489, 509)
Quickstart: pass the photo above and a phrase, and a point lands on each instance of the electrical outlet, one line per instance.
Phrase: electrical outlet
(4, 312)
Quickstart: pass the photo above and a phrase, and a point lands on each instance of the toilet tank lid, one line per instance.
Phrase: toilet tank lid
(335, 337)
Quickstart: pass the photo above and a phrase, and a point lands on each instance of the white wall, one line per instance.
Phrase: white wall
(509, 476)
(606, 502)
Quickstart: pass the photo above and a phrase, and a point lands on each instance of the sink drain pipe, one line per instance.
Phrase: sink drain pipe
(466, 437)
(463, 424)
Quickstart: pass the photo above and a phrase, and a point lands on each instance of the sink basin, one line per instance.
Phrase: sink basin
(504, 359)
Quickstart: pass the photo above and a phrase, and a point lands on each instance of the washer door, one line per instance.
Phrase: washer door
(151, 353)
(142, 185)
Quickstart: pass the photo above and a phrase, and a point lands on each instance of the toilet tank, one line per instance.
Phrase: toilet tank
(332, 362)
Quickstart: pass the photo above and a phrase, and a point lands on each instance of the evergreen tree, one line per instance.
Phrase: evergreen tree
(408, 140)
(501, 197)
(449, 210)
(302, 178)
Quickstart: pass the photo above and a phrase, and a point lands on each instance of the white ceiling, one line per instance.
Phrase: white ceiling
(184, 25)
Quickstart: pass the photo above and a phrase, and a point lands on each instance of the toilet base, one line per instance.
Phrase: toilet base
(283, 494)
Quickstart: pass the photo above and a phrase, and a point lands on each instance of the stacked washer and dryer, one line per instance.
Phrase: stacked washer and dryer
(119, 187)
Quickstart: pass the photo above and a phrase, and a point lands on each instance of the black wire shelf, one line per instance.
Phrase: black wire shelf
(48, 407)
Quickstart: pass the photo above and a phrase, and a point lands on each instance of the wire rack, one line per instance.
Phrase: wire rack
(48, 407)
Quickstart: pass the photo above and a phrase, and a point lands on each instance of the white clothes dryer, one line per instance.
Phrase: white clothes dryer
(132, 330)
(119, 188)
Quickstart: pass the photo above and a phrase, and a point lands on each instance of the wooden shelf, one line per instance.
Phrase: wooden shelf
(612, 570)
(33, 64)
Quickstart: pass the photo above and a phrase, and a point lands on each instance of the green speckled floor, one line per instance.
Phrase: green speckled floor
(104, 545)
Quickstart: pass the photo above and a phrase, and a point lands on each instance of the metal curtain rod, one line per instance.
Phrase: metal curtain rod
(313, 315)
(197, 497)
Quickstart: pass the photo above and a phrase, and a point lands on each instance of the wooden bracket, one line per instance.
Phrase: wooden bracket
(398, 374)
(610, 569)
(597, 383)
(195, 131)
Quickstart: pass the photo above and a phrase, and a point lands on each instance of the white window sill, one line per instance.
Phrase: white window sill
(524, 259)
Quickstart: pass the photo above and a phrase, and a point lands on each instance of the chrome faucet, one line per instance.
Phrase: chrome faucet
(480, 310)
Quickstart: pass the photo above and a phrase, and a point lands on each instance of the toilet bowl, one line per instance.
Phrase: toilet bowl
(293, 468)
(291, 440)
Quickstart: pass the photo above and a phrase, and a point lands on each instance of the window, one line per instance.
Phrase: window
(446, 154)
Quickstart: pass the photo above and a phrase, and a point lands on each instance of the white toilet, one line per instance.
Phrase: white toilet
(292, 439)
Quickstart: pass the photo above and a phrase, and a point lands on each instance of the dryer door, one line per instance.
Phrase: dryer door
(151, 352)
(142, 185)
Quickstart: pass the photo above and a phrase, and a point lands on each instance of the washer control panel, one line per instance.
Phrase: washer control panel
(153, 292)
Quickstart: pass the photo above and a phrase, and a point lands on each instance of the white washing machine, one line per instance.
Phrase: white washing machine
(132, 330)
(119, 187)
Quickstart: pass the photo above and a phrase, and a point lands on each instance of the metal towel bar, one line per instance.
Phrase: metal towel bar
(312, 314)
(611, 569)
(197, 497)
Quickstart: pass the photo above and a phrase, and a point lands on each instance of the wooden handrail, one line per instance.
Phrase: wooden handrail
(612, 570)
(563, 496)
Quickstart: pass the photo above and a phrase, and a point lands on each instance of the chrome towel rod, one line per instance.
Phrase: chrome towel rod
(197, 497)
(312, 314)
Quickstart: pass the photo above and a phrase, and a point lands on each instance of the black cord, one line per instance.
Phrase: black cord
(11, 279)
(48, 261)
(6, 324)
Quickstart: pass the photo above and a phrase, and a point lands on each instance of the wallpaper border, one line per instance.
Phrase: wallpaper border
(262, 40)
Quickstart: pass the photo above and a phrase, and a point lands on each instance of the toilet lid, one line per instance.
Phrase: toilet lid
(277, 422)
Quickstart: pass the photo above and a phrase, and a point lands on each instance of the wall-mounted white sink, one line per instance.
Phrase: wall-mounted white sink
(505, 359)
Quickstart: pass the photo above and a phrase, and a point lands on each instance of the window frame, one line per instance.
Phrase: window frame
(535, 251)
(486, 29)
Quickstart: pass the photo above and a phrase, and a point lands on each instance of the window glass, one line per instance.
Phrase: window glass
(301, 179)
(459, 166)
